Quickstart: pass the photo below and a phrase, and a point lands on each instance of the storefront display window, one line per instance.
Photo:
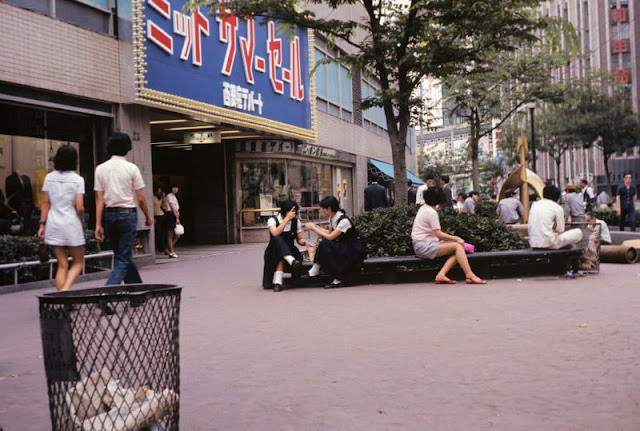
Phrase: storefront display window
(264, 183)
(24, 162)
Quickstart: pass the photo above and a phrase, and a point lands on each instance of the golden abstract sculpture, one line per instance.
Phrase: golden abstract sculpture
(524, 179)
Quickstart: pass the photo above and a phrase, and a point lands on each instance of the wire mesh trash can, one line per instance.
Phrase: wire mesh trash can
(111, 357)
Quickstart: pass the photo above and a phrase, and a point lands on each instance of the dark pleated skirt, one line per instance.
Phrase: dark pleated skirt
(341, 260)
(275, 251)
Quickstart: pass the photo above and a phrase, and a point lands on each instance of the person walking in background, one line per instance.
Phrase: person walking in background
(411, 193)
(159, 228)
(575, 203)
(469, 205)
(448, 195)
(172, 219)
(118, 184)
(62, 214)
(588, 196)
(375, 196)
(509, 209)
(625, 202)
(430, 242)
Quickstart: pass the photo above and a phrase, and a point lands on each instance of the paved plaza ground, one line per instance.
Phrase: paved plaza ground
(531, 354)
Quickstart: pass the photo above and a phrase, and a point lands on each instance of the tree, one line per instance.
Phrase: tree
(488, 93)
(399, 47)
(610, 123)
(557, 137)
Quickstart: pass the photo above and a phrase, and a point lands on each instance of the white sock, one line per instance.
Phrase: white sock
(336, 281)
(277, 277)
(289, 259)
(315, 270)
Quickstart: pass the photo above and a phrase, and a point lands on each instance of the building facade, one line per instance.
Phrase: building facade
(226, 109)
(609, 37)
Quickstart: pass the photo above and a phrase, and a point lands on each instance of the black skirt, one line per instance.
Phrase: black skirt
(169, 220)
(341, 260)
(277, 249)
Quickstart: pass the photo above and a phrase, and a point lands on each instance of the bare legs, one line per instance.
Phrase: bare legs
(459, 256)
(172, 239)
(65, 275)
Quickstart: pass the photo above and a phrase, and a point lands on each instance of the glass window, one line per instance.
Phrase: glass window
(264, 183)
(345, 89)
(321, 76)
(333, 82)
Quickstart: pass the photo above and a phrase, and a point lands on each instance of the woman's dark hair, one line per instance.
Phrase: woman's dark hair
(118, 144)
(286, 205)
(433, 196)
(66, 159)
(330, 202)
(551, 193)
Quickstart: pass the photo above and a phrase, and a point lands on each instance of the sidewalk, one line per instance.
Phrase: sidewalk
(529, 354)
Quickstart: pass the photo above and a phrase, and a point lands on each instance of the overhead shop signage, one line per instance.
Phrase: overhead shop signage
(228, 69)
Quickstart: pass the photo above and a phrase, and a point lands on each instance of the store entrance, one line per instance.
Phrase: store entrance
(187, 154)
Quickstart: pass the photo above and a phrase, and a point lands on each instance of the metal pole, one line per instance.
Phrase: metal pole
(533, 140)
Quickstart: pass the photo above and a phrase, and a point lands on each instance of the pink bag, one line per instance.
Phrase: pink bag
(469, 248)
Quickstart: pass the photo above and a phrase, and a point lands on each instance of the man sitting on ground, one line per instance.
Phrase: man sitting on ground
(509, 209)
(605, 235)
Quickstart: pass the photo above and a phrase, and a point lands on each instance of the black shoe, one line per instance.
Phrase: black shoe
(296, 268)
(277, 287)
(334, 285)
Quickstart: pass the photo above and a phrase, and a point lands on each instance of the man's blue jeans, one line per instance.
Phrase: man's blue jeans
(120, 231)
(630, 211)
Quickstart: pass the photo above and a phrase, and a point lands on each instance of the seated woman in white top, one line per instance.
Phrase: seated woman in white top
(430, 242)
(284, 230)
(341, 253)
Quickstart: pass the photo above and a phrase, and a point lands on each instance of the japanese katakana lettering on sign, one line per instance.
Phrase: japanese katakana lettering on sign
(229, 67)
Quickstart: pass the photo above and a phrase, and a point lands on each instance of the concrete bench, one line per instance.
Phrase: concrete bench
(488, 264)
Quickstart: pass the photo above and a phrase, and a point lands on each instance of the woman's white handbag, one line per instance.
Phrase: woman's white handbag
(178, 230)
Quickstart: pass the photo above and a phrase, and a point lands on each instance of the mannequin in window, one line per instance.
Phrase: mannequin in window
(20, 197)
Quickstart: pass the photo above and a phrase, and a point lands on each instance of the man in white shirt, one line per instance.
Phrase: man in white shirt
(428, 182)
(118, 184)
(546, 223)
(605, 235)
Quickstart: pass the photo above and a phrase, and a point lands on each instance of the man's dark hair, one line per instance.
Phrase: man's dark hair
(551, 193)
(625, 173)
(66, 159)
(429, 177)
(330, 202)
(445, 178)
(409, 183)
(286, 205)
(433, 196)
(473, 193)
(582, 180)
(463, 195)
(589, 213)
(508, 193)
(118, 144)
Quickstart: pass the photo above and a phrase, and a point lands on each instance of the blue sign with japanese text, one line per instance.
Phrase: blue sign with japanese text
(233, 70)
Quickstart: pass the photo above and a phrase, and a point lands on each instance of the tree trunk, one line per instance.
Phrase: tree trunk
(606, 173)
(474, 142)
(398, 154)
(558, 161)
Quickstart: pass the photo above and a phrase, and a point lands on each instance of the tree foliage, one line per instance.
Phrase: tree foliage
(400, 47)
(490, 92)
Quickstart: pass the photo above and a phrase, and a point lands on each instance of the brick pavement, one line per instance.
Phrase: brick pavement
(531, 354)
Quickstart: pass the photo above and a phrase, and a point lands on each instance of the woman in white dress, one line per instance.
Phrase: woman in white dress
(61, 215)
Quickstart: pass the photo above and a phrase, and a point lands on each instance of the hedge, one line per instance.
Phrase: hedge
(15, 248)
(387, 231)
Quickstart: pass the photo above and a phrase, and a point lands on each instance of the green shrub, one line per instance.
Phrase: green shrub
(486, 208)
(607, 215)
(387, 231)
(14, 248)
